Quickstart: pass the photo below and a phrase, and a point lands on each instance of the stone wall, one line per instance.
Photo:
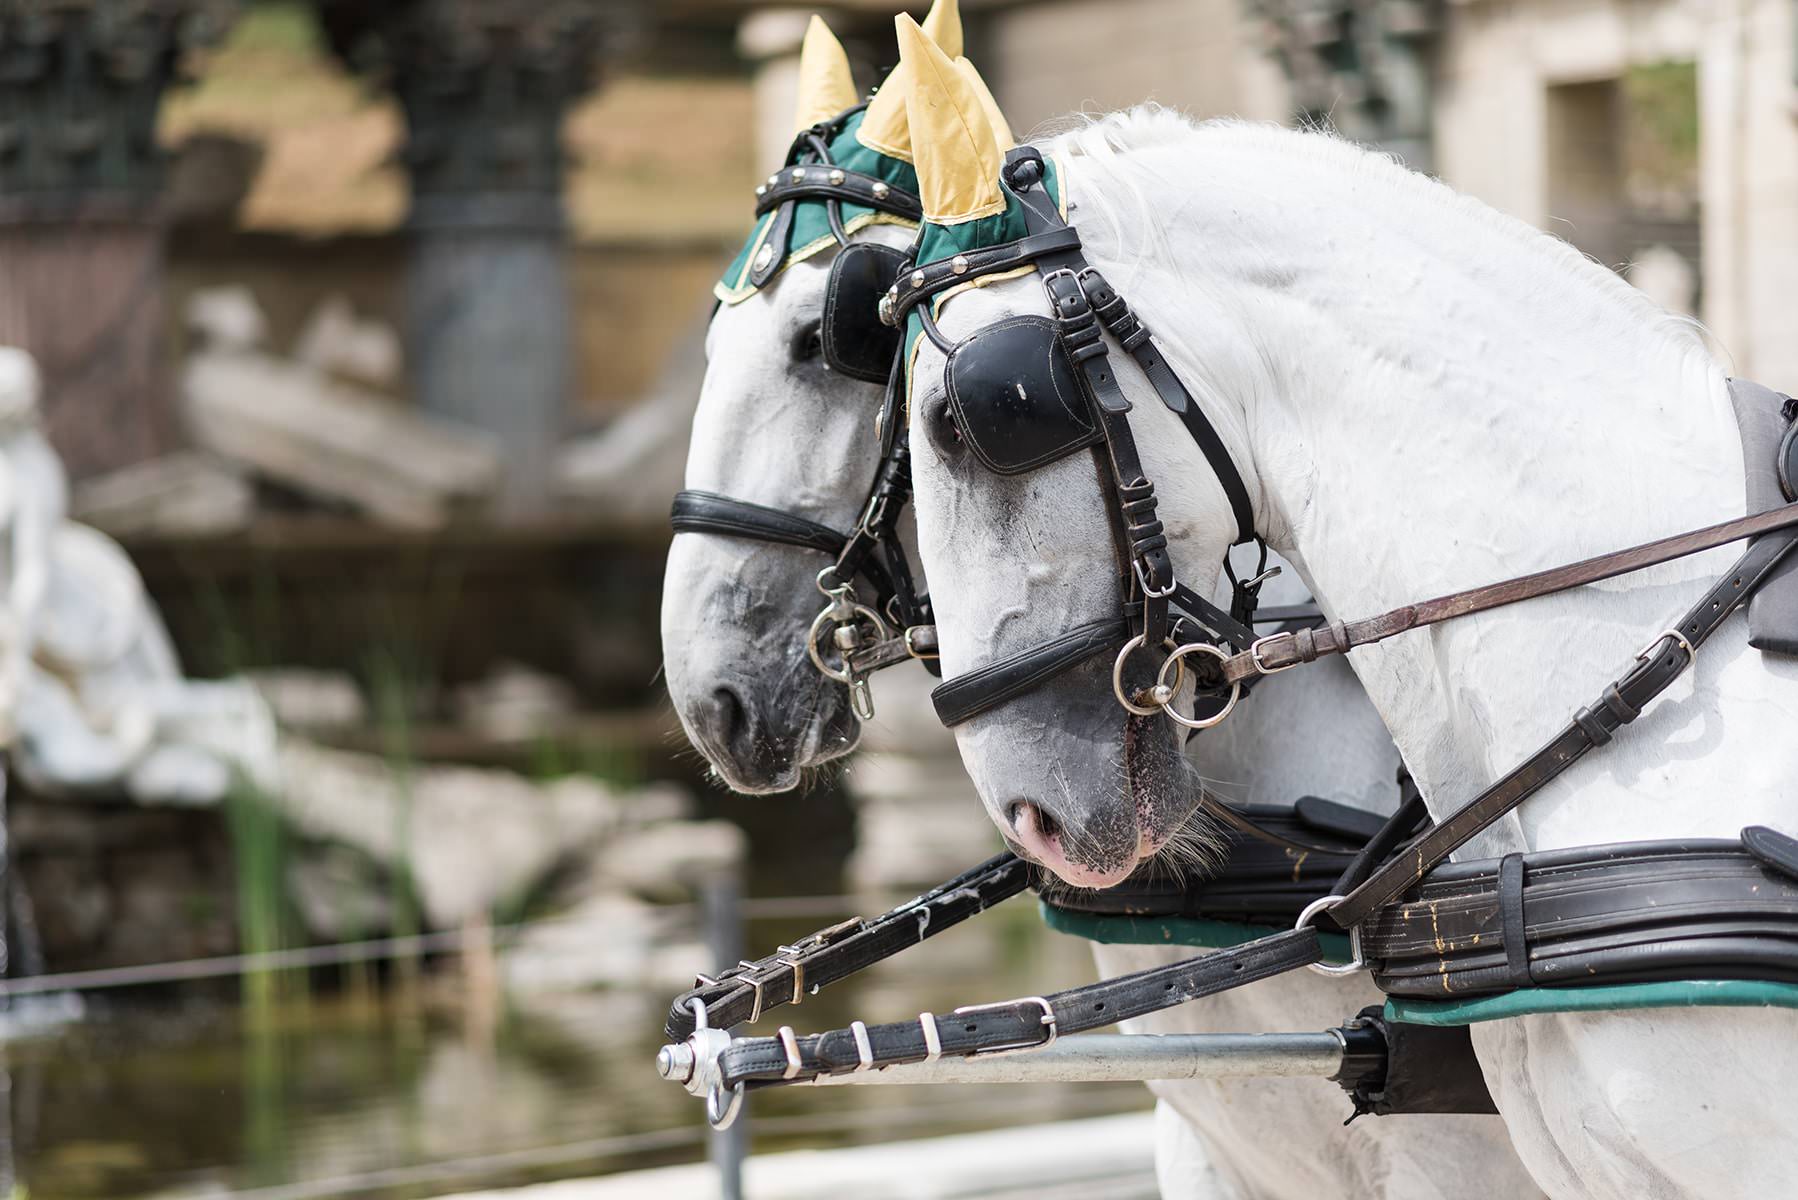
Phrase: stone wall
(1509, 107)
(1046, 60)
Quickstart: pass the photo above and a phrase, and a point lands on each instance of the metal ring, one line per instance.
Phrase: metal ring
(864, 1050)
(698, 1007)
(831, 571)
(1663, 635)
(840, 674)
(790, 1044)
(1117, 679)
(1356, 963)
(1170, 712)
(722, 1113)
(933, 1041)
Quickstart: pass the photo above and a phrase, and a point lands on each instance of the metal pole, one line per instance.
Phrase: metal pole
(721, 900)
(1108, 1057)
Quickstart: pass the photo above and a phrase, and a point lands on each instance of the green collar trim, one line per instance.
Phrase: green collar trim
(811, 233)
(1694, 993)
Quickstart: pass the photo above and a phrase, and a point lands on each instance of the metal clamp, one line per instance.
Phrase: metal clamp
(721, 1105)
(1048, 1020)
(1356, 963)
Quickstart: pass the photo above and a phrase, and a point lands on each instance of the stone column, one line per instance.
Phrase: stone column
(1363, 66)
(81, 234)
(484, 85)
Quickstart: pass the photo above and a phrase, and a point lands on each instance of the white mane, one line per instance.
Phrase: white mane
(1112, 157)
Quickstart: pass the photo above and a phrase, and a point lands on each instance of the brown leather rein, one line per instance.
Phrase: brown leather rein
(1282, 651)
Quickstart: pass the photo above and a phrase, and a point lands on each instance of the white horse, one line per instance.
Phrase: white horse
(1422, 395)
(775, 428)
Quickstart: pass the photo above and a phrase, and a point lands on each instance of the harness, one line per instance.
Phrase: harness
(857, 344)
(1604, 917)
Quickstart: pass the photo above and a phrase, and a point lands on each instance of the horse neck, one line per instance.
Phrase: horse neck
(1434, 397)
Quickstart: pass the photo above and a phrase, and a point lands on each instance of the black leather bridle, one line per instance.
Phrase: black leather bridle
(896, 625)
(1159, 611)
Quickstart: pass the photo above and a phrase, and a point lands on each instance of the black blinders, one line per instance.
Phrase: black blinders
(856, 343)
(1017, 397)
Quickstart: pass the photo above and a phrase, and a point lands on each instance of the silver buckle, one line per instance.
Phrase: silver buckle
(1663, 635)
(790, 1044)
(1255, 655)
(1142, 581)
(1022, 1047)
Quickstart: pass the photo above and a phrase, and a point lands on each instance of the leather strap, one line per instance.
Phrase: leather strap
(1016, 1024)
(1655, 668)
(709, 512)
(917, 284)
(1290, 649)
(793, 972)
(915, 641)
(967, 696)
(827, 181)
(1685, 908)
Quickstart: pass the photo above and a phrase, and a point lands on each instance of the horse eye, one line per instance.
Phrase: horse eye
(944, 433)
(808, 343)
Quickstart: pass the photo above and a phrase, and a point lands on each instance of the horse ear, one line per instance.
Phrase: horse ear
(942, 25)
(885, 127)
(955, 147)
(825, 86)
(1001, 127)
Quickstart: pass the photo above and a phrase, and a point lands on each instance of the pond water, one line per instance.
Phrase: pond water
(408, 1090)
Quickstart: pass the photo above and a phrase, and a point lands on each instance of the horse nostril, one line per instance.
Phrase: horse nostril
(1030, 819)
(730, 716)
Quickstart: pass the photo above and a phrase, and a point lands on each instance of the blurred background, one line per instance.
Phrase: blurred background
(350, 847)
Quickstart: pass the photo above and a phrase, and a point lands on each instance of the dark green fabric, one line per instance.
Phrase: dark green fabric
(937, 242)
(811, 225)
(1172, 931)
(1697, 993)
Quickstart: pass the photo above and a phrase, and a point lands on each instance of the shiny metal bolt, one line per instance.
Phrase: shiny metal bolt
(959, 264)
(837, 177)
(881, 190)
(675, 1062)
(917, 279)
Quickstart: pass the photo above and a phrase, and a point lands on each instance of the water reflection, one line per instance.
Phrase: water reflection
(414, 1091)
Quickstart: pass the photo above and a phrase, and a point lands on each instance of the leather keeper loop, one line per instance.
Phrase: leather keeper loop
(1624, 711)
(1595, 729)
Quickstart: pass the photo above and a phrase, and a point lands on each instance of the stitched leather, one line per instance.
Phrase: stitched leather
(1690, 908)
(1022, 1022)
(844, 949)
(967, 696)
(1658, 667)
(1340, 637)
(708, 512)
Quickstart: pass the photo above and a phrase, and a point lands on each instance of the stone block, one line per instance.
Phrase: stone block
(337, 442)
